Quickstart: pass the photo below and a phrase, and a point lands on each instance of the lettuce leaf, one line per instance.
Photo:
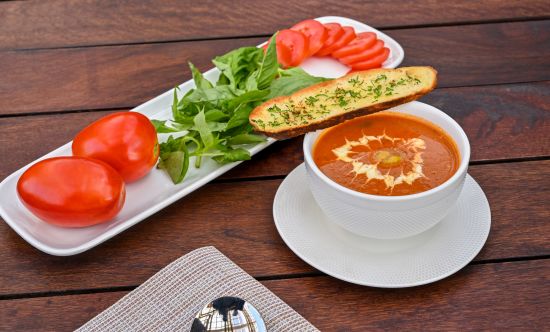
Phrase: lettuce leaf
(292, 80)
(212, 118)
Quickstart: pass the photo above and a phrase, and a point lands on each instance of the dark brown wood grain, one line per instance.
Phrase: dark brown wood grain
(484, 54)
(61, 23)
(489, 297)
(125, 76)
(503, 121)
(100, 77)
(239, 215)
(508, 296)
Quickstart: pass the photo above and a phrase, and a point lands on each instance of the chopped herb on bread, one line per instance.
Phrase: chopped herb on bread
(329, 103)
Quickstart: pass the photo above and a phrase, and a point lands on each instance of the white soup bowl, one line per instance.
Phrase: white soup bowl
(390, 217)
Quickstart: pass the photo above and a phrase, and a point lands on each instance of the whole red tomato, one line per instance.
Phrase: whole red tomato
(72, 191)
(126, 140)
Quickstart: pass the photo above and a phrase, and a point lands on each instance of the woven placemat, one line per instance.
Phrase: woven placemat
(170, 299)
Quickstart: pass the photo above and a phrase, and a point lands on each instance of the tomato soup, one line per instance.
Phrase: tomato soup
(387, 153)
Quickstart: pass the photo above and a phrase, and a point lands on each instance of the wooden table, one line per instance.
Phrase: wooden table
(66, 63)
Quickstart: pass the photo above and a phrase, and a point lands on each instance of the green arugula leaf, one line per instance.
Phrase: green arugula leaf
(246, 97)
(292, 80)
(232, 155)
(204, 130)
(245, 128)
(174, 158)
(163, 127)
(267, 69)
(245, 139)
(216, 126)
(210, 96)
(242, 105)
(223, 80)
(186, 109)
(175, 102)
(237, 65)
(200, 82)
(215, 115)
(240, 116)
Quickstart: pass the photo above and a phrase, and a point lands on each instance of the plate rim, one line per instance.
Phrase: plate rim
(301, 168)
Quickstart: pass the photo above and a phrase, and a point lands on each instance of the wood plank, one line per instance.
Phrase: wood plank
(100, 77)
(505, 296)
(509, 296)
(507, 121)
(125, 76)
(483, 54)
(93, 22)
(239, 214)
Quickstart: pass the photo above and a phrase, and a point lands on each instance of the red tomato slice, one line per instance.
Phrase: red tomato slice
(347, 37)
(366, 35)
(365, 55)
(334, 32)
(363, 41)
(315, 32)
(72, 191)
(375, 62)
(292, 47)
(127, 141)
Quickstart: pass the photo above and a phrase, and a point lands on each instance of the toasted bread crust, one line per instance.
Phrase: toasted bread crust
(297, 130)
(289, 133)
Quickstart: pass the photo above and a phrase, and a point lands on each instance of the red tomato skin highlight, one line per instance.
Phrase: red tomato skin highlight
(127, 141)
(375, 50)
(292, 47)
(375, 62)
(346, 38)
(72, 191)
(315, 32)
(334, 32)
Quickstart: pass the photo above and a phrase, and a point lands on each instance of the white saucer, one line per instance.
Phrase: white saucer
(421, 259)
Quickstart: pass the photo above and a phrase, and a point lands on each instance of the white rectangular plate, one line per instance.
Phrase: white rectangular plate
(156, 190)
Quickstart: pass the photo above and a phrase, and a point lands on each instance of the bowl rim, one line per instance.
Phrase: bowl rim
(459, 174)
